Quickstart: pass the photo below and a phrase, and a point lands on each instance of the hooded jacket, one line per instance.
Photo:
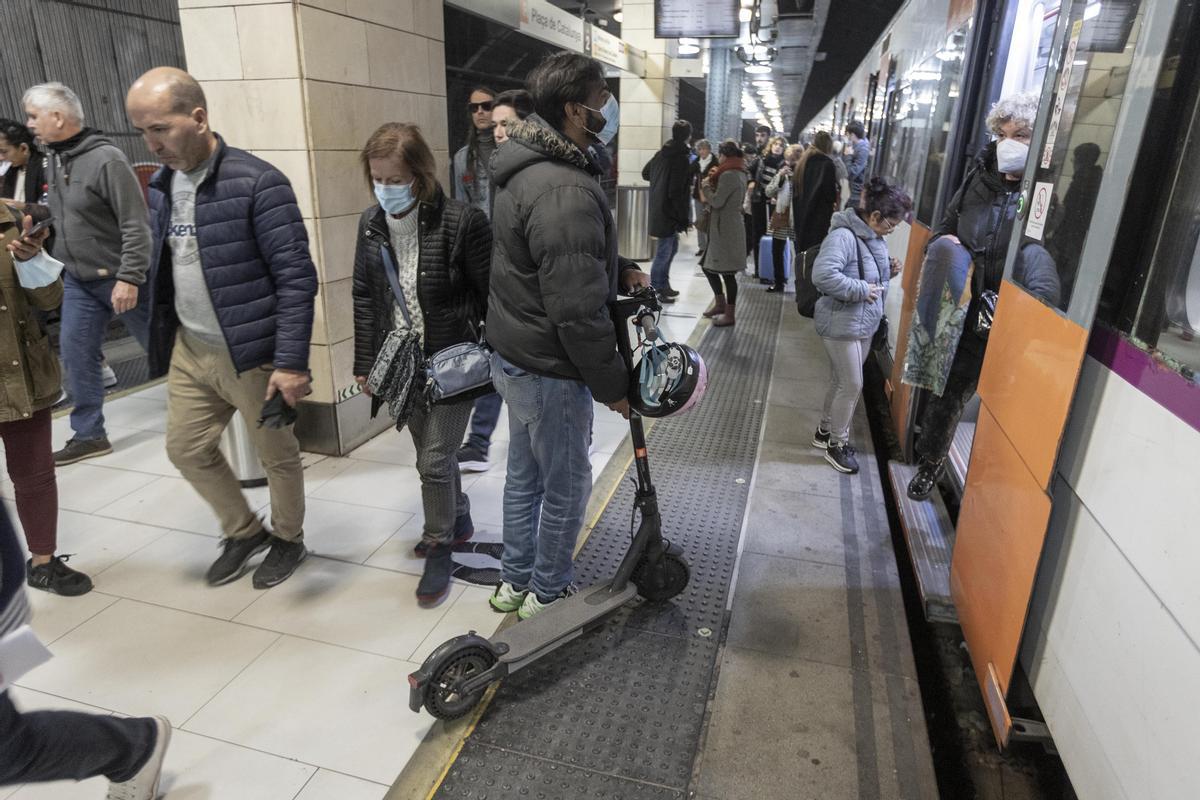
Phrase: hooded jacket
(843, 310)
(669, 172)
(554, 262)
(254, 254)
(100, 227)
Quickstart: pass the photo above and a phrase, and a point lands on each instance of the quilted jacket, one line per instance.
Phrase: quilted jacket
(554, 264)
(254, 252)
(452, 278)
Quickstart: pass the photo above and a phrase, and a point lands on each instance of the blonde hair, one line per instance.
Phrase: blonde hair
(774, 140)
(403, 140)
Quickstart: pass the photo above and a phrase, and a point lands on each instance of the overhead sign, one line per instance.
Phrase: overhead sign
(703, 19)
(549, 23)
(609, 49)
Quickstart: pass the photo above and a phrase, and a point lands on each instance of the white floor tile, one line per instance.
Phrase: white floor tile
(96, 542)
(321, 469)
(139, 659)
(608, 432)
(137, 450)
(88, 488)
(470, 612)
(390, 447)
(366, 483)
(170, 572)
(137, 412)
(351, 606)
(30, 700)
(487, 500)
(55, 616)
(327, 785)
(339, 709)
(348, 532)
(157, 392)
(173, 503)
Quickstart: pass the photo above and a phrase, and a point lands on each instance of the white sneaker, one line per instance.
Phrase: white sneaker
(144, 785)
(110, 377)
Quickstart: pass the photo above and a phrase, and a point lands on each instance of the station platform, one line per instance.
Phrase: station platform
(785, 670)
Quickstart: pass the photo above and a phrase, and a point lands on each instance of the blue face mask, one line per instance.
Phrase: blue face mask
(612, 120)
(41, 270)
(396, 198)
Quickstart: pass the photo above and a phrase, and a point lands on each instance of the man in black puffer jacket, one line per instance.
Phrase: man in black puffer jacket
(232, 288)
(669, 173)
(554, 271)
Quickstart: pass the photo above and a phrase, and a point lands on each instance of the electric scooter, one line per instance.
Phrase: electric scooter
(455, 676)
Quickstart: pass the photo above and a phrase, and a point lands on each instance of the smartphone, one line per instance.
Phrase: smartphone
(39, 227)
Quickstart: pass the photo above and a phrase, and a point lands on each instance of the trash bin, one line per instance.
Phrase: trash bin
(240, 453)
(633, 222)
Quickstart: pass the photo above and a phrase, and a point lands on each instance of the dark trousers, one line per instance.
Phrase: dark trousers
(30, 458)
(41, 746)
(942, 414)
(759, 212)
(484, 420)
(778, 248)
(729, 288)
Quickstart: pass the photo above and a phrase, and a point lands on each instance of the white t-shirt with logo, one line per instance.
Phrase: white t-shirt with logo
(193, 303)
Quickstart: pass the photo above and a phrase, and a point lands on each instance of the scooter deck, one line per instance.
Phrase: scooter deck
(560, 623)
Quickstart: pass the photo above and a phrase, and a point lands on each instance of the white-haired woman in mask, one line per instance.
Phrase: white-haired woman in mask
(976, 230)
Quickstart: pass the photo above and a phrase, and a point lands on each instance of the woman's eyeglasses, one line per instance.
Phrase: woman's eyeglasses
(486, 105)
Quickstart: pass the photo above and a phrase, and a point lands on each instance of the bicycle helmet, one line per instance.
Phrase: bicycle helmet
(669, 378)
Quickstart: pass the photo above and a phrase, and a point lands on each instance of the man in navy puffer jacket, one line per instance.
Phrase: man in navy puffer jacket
(232, 290)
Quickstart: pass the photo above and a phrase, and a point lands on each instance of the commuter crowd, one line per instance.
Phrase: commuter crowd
(209, 269)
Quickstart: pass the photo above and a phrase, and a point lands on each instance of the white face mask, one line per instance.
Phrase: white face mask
(1011, 156)
(4, 167)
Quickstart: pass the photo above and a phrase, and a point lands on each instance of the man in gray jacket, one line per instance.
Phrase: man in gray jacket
(554, 271)
(103, 238)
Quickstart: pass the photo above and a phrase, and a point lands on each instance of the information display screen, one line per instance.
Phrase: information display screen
(696, 19)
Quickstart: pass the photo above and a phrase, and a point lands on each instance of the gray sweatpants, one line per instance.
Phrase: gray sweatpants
(437, 432)
(846, 358)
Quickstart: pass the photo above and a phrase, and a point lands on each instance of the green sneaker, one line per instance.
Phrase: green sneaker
(506, 599)
(533, 605)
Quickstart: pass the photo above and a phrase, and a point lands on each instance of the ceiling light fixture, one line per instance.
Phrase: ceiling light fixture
(758, 69)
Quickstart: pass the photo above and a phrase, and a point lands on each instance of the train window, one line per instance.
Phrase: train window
(1089, 88)
(1152, 288)
(947, 63)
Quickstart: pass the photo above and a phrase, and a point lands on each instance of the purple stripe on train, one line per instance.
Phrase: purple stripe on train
(1157, 381)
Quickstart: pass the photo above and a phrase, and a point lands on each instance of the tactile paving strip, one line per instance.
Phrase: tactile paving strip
(620, 710)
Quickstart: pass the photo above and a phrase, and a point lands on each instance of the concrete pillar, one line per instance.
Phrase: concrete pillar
(649, 105)
(302, 84)
(723, 96)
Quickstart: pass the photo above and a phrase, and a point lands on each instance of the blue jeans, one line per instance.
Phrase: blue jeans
(484, 420)
(660, 270)
(549, 477)
(86, 311)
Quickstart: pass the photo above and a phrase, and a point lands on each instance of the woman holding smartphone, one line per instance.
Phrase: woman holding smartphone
(852, 272)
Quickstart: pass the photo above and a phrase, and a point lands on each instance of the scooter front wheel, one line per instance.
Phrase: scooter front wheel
(659, 582)
(444, 697)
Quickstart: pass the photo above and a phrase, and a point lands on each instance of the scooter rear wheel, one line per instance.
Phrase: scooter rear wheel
(658, 583)
(444, 698)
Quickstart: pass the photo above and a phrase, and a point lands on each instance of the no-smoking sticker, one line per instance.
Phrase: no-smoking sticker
(1039, 209)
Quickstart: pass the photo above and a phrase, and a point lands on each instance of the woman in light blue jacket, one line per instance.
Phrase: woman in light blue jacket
(852, 273)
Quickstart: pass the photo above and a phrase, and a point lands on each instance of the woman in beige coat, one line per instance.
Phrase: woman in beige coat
(725, 257)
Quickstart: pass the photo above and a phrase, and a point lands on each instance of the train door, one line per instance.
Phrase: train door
(1103, 66)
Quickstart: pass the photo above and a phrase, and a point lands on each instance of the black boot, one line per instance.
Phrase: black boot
(925, 481)
(435, 583)
(464, 529)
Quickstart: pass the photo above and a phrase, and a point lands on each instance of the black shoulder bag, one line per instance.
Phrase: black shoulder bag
(879, 341)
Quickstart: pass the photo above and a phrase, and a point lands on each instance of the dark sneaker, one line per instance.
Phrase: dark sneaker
(234, 555)
(669, 292)
(841, 457)
(144, 785)
(56, 577)
(79, 449)
(472, 458)
(464, 529)
(924, 482)
(280, 562)
(821, 439)
(775, 289)
(435, 582)
(534, 605)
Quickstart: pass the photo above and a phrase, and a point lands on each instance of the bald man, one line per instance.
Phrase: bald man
(232, 287)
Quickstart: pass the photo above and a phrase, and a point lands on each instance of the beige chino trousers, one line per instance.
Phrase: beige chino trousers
(203, 391)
